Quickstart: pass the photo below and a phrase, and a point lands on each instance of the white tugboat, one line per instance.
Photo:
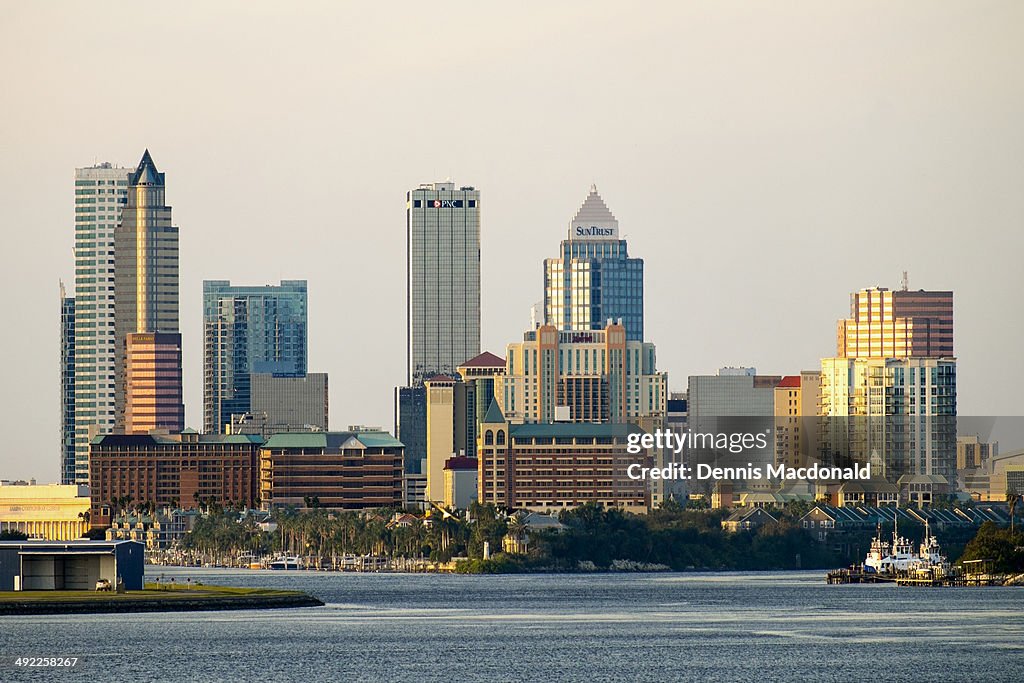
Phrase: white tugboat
(899, 556)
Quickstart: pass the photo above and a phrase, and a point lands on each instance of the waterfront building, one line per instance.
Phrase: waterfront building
(551, 467)
(589, 376)
(899, 414)
(443, 289)
(67, 387)
(249, 331)
(145, 280)
(68, 566)
(897, 324)
(797, 403)
(186, 470)
(594, 280)
(100, 194)
(353, 470)
(460, 482)
(52, 512)
(153, 394)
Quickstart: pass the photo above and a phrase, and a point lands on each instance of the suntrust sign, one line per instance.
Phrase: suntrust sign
(592, 231)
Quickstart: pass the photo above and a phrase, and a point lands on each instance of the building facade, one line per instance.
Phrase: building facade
(341, 470)
(153, 394)
(797, 403)
(591, 376)
(67, 388)
(897, 324)
(899, 414)
(186, 471)
(289, 403)
(443, 256)
(52, 512)
(146, 272)
(594, 280)
(552, 467)
(246, 331)
(100, 194)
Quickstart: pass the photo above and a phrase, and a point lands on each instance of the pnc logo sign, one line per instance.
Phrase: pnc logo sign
(446, 203)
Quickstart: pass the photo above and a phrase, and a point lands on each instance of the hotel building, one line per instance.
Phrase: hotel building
(585, 376)
(145, 281)
(153, 398)
(594, 279)
(249, 330)
(100, 194)
(357, 470)
(551, 467)
(179, 470)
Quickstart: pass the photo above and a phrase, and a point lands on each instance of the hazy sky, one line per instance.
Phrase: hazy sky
(765, 159)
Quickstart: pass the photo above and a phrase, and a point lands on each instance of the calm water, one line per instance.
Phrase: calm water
(650, 627)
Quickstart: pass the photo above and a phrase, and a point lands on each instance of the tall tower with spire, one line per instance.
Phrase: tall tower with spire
(594, 280)
(148, 341)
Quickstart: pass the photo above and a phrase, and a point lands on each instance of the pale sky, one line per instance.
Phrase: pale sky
(765, 159)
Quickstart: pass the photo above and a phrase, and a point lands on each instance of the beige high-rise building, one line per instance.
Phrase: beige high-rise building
(581, 376)
(440, 432)
(897, 324)
(797, 405)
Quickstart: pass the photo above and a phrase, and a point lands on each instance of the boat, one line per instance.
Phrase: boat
(899, 555)
(285, 562)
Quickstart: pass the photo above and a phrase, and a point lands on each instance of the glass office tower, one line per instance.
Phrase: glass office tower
(248, 330)
(443, 251)
(594, 280)
(67, 387)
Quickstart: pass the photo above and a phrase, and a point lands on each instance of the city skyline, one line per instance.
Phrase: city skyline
(738, 216)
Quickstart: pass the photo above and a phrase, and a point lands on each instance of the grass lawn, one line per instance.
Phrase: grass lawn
(151, 592)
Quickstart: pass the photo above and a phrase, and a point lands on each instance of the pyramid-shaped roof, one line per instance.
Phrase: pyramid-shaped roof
(594, 219)
(494, 414)
(146, 173)
(484, 360)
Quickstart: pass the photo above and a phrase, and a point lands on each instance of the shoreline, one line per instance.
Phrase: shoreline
(199, 599)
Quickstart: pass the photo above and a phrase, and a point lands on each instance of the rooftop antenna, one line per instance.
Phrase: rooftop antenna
(905, 282)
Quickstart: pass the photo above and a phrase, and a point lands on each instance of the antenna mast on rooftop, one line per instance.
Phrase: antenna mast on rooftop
(905, 282)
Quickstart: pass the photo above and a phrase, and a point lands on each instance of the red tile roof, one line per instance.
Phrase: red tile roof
(484, 360)
(441, 378)
(791, 381)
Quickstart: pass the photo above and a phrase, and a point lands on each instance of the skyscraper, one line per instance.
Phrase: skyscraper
(443, 252)
(145, 279)
(443, 300)
(594, 280)
(99, 197)
(249, 330)
(897, 324)
(889, 396)
(67, 387)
